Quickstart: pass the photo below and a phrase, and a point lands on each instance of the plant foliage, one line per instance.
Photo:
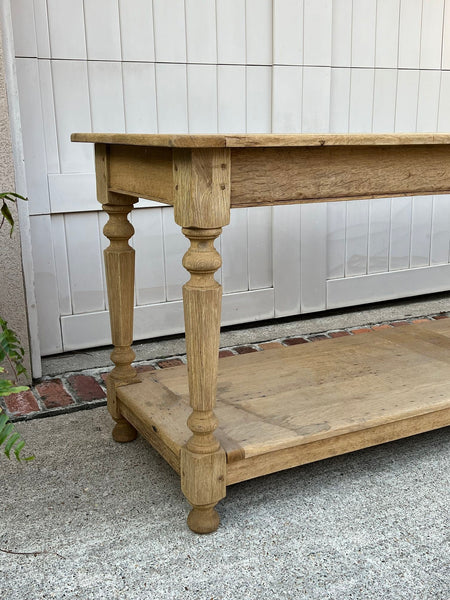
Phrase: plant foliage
(5, 212)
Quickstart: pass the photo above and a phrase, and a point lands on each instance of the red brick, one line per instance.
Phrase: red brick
(22, 403)
(225, 353)
(335, 334)
(171, 362)
(421, 321)
(317, 338)
(145, 368)
(399, 323)
(270, 345)
(361, 330)
(441, 317)
(375, 327)
(294, 341)
(53, 393)
(86, 388)
(245, 349)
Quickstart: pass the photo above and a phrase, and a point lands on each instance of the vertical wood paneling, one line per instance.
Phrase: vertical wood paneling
(286, 259)
(201, 31)
(231, 99)
(409, 34)
(339, 100)
(421, 231)
(384, 100)
(171, 98)
(70, 86)
(336, 220)
(387, 28)
(431, 34)
(341, 34)
(231, 32)
(400, 236)
(260, 273)
(258, 32)
(444, 103)
(42, 31)
(361, 100)
(139, 97)
(61, 264)
(235, 276)
(24, 31)
(148, 243)
(202, 98)
(66, 29)
(48, 116)
(287, 99)
(175, 246)
(440, 232)
(102, 30)
(317, 28)
(106, 96)
(259, 99)
(446, 37)
(85, 269)
(45, 285)
(169, 30)
(287, 32)
(428, 102)
(379, 234)
(313, 257)
(316, 99)
(406, 105)
(357, 238)
(136, 30)
(363, 33)
(33, 134)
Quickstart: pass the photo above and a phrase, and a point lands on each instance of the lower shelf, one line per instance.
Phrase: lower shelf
(286, 407)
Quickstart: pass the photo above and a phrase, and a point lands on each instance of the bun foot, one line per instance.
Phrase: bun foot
(124, 432)
(203, 519)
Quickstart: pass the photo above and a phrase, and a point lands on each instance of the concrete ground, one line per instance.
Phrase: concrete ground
(104, 520)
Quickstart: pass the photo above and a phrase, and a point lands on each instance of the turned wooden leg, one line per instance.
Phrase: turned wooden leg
(202, 460)
(119, 267)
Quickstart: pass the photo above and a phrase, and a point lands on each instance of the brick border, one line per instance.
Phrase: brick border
(81, 390)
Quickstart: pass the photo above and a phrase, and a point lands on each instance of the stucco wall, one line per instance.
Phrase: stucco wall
(12, 295)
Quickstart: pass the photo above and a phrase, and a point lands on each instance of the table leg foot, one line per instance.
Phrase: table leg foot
(124, 432)
(203, 519)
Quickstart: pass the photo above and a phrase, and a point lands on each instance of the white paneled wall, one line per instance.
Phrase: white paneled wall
(205, 66)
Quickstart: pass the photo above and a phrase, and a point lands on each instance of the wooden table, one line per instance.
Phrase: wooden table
(278, 408)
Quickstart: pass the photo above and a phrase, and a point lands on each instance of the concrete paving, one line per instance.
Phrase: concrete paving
(108, 521)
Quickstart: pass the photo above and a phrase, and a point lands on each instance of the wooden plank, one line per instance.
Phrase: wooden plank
(387, 30)
(334, 173)
(287, 99)
(258, 32)
(67, 29)
(22, 16)
(317, 32)
(231, 98)
(363, 33)
(136, 31)
(431, 34)
(171, 98)
(139, 96)
(106, 96)
(259, 99)
(356, 242)
(341, 48)
(231, 32)
(410, 34)
(201, 30)
(101, 20)
(170, 31)
(202, 98)
(287, 32)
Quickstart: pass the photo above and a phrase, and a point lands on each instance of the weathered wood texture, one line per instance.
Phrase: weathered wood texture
(286, 407)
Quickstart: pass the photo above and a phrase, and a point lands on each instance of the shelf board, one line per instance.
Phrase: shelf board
(289, 406)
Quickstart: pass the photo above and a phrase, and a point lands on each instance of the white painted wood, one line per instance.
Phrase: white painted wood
(259, 99)
(66, 29)
(363, 33)
(231, 32)
(175, 246)
(45, 285)
(357, 232)
(33, 134)
(428, 102)
(72, 192)
(445, 64)
(444, 103)
(410, 34)
(235, 253)
(41, 26)
(431, 34)
(48, 116)
(85, 270)
(139, 97)
(202, 98)
(313, 257)
(379, 234)
(148, 243)
(336, 220)
(106, 96)
(316, 99)
(400, 236)
(286, 259)
(102, 30)
(361, 100)
(92, 329)
(440, 236)
(339, 100)
(287, 99)
(384, 100)
(61, 264)
(171, 98)
(169, 30)
(407, 98)
(341, 34)
(258, 32)
(24, 30)
(287, 32)
(387, 29)
(201, 29)
(422, 207)
(317, 28)
(231, 99)
(71, 90)
(136, 30)
(386, 286)
(260, 271)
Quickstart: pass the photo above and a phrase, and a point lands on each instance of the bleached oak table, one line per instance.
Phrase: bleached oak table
(278, 408)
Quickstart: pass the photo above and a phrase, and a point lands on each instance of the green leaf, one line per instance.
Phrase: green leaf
(6, 432)
(12, 440)
(8, 216)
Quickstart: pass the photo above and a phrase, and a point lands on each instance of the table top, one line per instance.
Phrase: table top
(262, 140)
